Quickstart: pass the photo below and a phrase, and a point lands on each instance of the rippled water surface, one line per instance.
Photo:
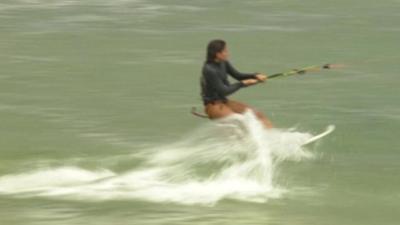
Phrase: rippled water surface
(95, 125)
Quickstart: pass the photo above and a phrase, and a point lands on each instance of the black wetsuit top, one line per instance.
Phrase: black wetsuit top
(215, 84)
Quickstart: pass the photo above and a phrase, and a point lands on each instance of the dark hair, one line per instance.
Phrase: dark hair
(214, 47)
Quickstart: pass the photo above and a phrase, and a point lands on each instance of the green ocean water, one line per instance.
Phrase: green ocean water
(92, 92)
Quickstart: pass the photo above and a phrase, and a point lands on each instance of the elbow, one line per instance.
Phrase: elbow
(224, 91)
(228, 91)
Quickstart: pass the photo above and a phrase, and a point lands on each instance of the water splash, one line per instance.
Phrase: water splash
(235, 158)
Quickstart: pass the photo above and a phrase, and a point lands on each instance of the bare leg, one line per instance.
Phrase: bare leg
(240, 107)
(218, 110)
(267, 123)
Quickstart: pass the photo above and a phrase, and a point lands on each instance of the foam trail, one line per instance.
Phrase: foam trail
(234, 158)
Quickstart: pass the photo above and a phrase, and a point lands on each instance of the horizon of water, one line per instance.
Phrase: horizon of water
(95, 125)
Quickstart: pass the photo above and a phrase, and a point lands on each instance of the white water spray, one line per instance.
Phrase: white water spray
(234, 158)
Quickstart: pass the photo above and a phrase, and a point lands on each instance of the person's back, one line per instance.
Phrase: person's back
(214, 81)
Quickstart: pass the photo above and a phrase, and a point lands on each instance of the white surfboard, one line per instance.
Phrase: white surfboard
(327, 131)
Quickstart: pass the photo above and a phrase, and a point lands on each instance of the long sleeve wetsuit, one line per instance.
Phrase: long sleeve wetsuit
(215, 84)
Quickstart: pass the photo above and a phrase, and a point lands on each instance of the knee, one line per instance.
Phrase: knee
(217, 111)
(258, 114)
(237, 107)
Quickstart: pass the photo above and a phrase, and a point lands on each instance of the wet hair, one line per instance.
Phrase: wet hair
(214, 47)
